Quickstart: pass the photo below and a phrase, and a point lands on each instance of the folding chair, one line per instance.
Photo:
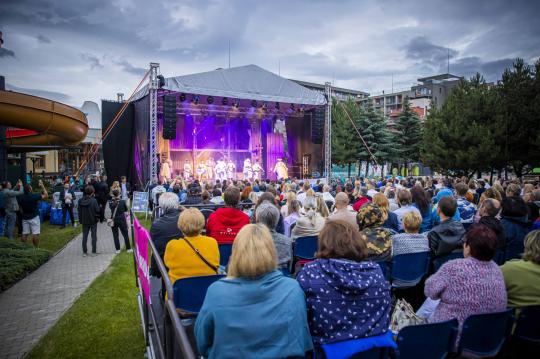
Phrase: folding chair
(438, 262)
(206, 213)
(304, 249)
(483, 335)
(528, 324)
(427, 341)
(189, 293)
(409, 269)
(225, 251)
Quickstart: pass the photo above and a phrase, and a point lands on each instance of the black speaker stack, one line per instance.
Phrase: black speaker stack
(317, 125)
(169, 117)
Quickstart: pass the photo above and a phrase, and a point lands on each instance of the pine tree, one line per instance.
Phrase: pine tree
(381, 143)
(344, 139)
(408, 135)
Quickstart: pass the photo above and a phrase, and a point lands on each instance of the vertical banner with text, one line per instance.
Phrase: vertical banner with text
(141, 244)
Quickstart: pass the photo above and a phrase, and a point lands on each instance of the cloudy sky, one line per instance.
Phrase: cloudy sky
(88, 50)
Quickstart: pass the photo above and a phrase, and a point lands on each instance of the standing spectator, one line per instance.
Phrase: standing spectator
(11, 205)
(472, 285)
(184, 256)
(118, 209)
(28, 202)
(225, 223)
(411, 241)
(347, 297)
(67, 200)
(448, 235)
(466, 209)
(125, 189)
(342, 211)
(521, 275)
(370, 219)
(102, 196)
(404, 198)
(268, 214)
(165, 228)
(89, 214)
(253, 285)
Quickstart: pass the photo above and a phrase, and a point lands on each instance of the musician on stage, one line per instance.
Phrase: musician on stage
(188, 170)
(231, 170)
(165, 171)
(248, 171)
(201, 171)
(257, 171)
(221, 170)
(210, 164)
(281, 170)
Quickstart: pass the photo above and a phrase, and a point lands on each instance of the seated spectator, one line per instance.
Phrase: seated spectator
(361, 200)
(445, 192)
(472, 285)
(488, 217)
(342, 211)
(322, 208)
(404, 199)
(347, 297)
(411, 241)
(194, 194)
(421, 201)
(465, 208)
(392, 220)
(165, 228)
(216, 196)
(267, 196)
(532, 199)
(225, 223)
(370, 219)
(301, 195)
(253, 292)
(448, 235)
(158, 189)
(489, 193)
(521, 275)
(390, 193)
(311, 223)
(206, 203)
(193, 255)
(286, 209)
(268, 214)
(327, 196)
(291, 218)
(514, 220)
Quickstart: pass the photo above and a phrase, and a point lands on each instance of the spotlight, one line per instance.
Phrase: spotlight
(195, 99)
(292, 106)
(161, 81)
(225, 101)
(264, 106)
(210, 100)
(182, 97)
(237, 104)
(253, 103)
(277, 105)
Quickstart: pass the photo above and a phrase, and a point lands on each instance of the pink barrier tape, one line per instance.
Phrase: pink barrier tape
(141, 254)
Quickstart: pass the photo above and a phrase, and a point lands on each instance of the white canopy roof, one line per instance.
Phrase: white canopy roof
(245, 82)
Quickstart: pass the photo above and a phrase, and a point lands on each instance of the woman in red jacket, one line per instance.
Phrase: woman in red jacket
(225, 223)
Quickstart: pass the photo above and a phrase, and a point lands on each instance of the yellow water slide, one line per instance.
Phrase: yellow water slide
(51, 123)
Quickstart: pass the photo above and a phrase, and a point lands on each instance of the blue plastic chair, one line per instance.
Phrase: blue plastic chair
(189, 293)
(385, 268)
(483, 335)
(528, 324)
(427, 341)
(305, 247)
(409, 269)
(438, 262)
(225, 251)
(375, 347)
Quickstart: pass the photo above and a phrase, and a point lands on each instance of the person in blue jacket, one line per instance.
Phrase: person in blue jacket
(444, 192)
(255, 312)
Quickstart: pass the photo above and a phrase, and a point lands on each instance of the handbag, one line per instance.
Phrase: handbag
(110, 221)
(215, 269)
(403, 316)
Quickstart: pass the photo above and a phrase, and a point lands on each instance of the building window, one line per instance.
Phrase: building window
(40, 162)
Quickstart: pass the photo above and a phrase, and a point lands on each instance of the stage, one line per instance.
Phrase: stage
(233, 114)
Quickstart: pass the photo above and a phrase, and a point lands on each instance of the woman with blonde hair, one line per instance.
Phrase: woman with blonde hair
(391, 221)
(311, 222)
(286, 209)
(322, 208)
(253, 285)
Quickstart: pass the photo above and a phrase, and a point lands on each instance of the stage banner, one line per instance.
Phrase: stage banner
(140, 202)
(141, 244)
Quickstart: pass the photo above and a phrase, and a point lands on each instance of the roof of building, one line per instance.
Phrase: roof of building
(440, 77)
(248, 82)
(321, 86)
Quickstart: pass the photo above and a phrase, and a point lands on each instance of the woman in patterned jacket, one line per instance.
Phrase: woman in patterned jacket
(370, 219)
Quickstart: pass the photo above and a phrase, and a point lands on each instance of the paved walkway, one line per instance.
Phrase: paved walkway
(33, 305)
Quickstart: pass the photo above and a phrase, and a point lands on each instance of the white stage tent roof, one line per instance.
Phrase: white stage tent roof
(248, 82)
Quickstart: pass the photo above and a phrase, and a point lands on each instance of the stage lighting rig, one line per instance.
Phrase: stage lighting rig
(195, 99)
(292, 106)
(253, 103)
(182, 97)
(210, 100)
(237, 104)
(277, 105)
(161, 81)
(225, 101)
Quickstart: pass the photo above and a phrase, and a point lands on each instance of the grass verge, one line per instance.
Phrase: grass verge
(103, 323)
(17, 259)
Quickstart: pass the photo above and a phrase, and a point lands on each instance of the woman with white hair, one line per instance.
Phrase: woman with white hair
(268, 214)
(311, 223)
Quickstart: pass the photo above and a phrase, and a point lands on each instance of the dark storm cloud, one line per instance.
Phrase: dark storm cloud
(92, 60)
(129, 68)
(491, 70)
(43, 39)
(6, 53)
(421, 50)
(57, 96)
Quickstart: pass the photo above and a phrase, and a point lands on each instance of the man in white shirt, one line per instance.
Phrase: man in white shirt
(301, 197)
(327, 197)
(405, 205)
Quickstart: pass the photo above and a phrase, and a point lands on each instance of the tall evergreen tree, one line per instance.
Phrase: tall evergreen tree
(381, 142)
(345, 146)
(408, 135)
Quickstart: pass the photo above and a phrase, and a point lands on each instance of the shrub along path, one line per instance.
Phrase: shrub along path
(32, 306)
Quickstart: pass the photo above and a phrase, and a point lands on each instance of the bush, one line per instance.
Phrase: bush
(17, 259)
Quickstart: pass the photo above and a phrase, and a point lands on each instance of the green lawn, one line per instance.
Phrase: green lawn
(17, 259)
(103, 323)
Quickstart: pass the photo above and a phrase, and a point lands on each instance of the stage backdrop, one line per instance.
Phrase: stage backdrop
(118, 145)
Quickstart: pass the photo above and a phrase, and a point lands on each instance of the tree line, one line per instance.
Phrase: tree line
(481, 127)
